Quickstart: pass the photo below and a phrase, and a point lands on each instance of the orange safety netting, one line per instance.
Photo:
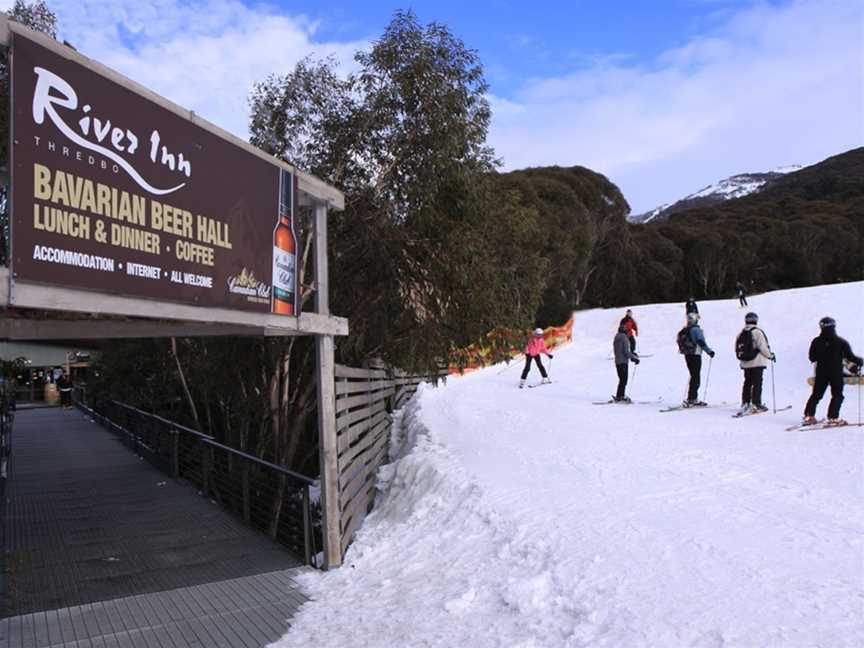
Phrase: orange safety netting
(503, 345)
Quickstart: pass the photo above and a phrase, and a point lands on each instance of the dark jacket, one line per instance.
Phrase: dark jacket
(691, 306)
(621, 348)
(828, 352)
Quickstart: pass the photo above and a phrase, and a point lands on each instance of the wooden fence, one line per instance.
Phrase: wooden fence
(365, 401)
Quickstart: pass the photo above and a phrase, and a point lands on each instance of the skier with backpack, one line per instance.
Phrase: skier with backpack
(691, 343)
(623, 353)
(754, 353)
(827, 352)
(536, 345)
(632, 329)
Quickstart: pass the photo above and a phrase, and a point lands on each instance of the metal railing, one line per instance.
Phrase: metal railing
(7, 417)
(267, 497)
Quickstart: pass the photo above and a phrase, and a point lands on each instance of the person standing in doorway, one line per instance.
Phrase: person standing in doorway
(536, 345)
(64, 385)
(632, 329)
(691, 343)
(623, 354)
(754, 353)
(827, 353)
(742, 297)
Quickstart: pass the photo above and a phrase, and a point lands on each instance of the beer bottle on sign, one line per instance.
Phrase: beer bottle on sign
(284, 249)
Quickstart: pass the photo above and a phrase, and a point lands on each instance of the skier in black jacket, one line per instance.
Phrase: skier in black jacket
(691, 307)
(828, 351)
(742, 297)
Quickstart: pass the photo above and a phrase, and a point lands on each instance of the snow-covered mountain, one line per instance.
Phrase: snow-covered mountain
(736, 186)
(532, 517)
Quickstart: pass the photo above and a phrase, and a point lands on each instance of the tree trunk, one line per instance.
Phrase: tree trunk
(183, 382)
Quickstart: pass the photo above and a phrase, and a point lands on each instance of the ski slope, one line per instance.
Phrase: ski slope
(533, 518)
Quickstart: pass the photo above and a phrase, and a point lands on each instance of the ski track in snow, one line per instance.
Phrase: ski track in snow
(532, 518)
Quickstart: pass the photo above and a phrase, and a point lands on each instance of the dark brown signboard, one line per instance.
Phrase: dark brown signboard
(114, 193)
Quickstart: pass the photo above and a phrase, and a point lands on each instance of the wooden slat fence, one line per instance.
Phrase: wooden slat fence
(365, 401)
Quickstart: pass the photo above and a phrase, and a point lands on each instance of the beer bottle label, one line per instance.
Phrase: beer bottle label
(283, 275)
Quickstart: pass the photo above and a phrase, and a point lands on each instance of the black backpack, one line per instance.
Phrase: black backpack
(745, 346)
(685, 342)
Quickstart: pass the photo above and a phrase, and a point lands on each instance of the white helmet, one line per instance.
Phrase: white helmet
(538, 331)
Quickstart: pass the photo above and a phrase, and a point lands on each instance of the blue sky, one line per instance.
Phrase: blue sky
(519, 40)
(662, 97)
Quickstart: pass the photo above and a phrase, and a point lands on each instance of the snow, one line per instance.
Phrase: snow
(787, 169)
(533, 518)
(654, 212)
(734, 187)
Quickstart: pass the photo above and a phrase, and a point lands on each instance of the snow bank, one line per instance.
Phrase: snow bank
(434, 565)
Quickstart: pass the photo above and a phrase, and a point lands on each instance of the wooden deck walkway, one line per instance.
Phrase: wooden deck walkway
(101, 549)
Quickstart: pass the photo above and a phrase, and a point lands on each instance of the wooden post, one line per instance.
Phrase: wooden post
(307, 528)
(327, 447)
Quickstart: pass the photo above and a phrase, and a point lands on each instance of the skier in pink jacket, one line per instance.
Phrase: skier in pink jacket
(536, 345)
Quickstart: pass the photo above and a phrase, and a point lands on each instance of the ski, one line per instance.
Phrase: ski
(804, 426)
(540, 384)
(768, 411)
(822, 425)
(831, 426)
(638, 355)
(679, 408)
(614, 402)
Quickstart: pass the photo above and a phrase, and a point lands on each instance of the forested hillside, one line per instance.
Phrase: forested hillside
(803, 229)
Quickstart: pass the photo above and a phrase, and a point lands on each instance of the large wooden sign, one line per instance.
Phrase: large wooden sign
(114, 193)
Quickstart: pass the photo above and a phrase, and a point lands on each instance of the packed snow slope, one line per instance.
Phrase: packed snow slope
(534, 518)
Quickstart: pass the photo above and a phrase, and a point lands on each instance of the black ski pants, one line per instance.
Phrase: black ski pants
(819, 386)
(742, 299)
(752, 392)
(527, 368)
(623, 371)
(694, 366)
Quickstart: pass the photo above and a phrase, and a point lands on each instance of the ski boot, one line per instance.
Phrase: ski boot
(522, 383)
(694, 403)
(546, 381)
(809, 420)
(836, 422)
(758, 409)
(745, 408)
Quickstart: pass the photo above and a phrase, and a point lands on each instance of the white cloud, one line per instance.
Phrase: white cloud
(203, 55)
(774, 85)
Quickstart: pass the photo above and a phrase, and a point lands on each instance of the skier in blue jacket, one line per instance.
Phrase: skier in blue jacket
(692, 346)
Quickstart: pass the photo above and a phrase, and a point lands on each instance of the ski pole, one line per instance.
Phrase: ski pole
(550, 367)
(707, 379)
(633, 377)
(859, 397)
(773, 393)
(513, 361)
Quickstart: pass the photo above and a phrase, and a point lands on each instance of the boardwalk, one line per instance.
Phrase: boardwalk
(100, 549)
